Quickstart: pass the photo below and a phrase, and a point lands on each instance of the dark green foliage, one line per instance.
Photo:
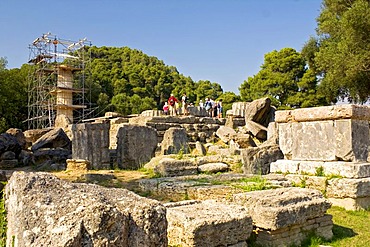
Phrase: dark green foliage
(13, 99)
(285, 79)
(342, 53)
(128, 81)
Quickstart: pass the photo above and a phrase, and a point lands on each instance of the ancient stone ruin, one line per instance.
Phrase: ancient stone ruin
(194, 158)
(327, 149)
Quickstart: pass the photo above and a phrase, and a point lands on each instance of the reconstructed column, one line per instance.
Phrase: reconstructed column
(64, 92)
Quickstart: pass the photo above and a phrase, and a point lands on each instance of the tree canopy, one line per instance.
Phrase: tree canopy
(285, 79)
(128, 81)
(13, 102)
(342, 53)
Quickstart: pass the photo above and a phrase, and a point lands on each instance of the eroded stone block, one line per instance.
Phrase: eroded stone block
(279, 208)
(207, 223)
(43, 210)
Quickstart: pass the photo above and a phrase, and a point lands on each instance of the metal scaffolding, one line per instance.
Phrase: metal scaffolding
(57, 82)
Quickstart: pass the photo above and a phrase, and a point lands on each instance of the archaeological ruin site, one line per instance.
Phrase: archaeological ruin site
(258, 176)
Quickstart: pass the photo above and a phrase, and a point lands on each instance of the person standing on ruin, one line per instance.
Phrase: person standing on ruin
(201, 105)
(172, 105)
(184, 102)
(219, 109)
(165, 108)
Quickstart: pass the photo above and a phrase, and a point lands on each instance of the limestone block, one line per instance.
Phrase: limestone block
(286, 139)
(52, 154)
(152, 113)
(338, 168)
(313, 141)
(136, 145)
(169, 167)
(59, 213)
(360, 203)
(244, 140)
(225, 133)
(272, 133)
(213, 167)
(294, 235)
(175, 140)
(257, 130)
(113, 131)
(91, 142)
(78, 165)
(346, 187)
(55, 138)
(352, 139)
(234, 121)
(238, 108)
(208, 223)
(310, 167)
(257, 160)
(199, 149)
(279, 208)
(347, 169)
(360, 112)
(258, 111)
(285, 166)
(19, 135)
(329, 140)
(33, 135)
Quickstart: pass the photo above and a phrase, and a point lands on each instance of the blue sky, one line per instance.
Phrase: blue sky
(223, 41)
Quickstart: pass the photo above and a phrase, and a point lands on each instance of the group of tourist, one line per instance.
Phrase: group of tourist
(213, 108)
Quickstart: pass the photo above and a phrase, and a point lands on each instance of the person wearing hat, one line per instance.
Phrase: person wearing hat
(172, 102)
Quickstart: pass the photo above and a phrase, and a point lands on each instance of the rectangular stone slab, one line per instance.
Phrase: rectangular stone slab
(322, 113)
(326, 140)
(339, 168)
(207, 223)
(279, 208)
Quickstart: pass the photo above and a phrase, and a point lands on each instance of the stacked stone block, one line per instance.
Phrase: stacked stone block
(328, 141)
(285, 217)
(207, 224)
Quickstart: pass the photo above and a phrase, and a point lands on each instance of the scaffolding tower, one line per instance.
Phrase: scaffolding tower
(58, 81)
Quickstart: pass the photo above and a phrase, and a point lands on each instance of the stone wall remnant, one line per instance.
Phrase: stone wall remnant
(136, 145)
(174, 141)
(91, 142)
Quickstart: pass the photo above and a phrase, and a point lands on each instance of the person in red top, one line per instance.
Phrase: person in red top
(172, 102)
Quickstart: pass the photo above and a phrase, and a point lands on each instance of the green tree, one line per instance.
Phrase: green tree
(13, 100)
(207, 89)
(343, 57)
(285, 79)
(122, 76)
